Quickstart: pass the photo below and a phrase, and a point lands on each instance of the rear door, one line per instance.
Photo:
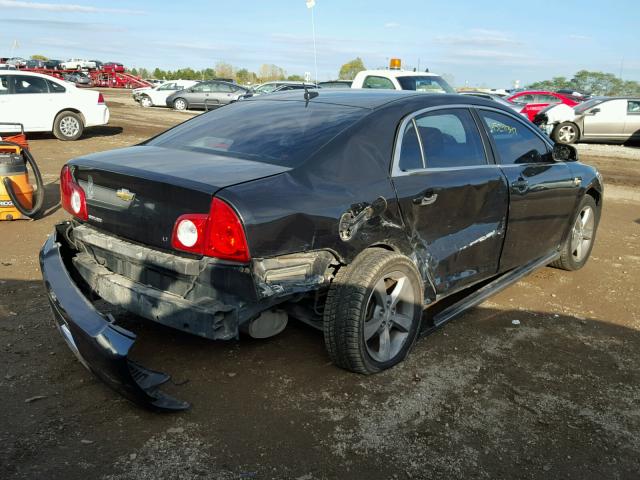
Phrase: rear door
(606, 120)
(453, 198)
(542, 192)
(632, 124)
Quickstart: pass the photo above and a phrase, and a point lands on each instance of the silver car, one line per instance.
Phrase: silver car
(605, 119)
(208, 94)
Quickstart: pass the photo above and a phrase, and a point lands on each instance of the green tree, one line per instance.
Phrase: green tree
(224, 70)
(39, 57)
(159, 74)
(295, 78)
(349, 70)
(596, 83)
(269, 72)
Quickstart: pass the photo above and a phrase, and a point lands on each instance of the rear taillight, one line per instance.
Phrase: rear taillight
(219, 234)
(72, 195)
(100, 99)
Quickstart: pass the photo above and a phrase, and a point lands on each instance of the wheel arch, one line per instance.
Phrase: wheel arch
(74, 110)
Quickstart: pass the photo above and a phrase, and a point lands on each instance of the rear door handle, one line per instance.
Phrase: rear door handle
(427, 198)
(520, 185)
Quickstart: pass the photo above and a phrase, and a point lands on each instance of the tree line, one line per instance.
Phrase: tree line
(593, 82)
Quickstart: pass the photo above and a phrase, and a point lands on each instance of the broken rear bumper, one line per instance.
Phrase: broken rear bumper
(98, 343)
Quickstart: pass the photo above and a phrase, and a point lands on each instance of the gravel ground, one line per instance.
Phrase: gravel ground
(554, 395)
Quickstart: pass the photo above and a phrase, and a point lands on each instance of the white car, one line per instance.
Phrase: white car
(46, 104)
(397, 79)
(157, 96)
(77, 64)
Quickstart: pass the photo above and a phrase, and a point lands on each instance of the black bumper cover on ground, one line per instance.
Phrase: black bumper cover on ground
(98, 343)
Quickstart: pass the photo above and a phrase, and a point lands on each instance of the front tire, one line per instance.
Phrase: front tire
(576, 249)
(68, 126)
(180, 104)
(373, 312)
(145, 101)
(566, 133)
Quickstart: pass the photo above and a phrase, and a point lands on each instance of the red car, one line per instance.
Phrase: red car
(535, 101)
(113, 67)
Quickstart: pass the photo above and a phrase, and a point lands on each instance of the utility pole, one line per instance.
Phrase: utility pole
(310, 5)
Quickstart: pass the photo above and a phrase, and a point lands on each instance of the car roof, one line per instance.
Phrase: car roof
(371, 98)
(399, 73)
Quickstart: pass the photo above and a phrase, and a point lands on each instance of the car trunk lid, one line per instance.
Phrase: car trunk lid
(138, 193)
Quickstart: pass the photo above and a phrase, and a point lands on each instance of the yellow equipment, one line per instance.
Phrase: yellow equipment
(17, 197)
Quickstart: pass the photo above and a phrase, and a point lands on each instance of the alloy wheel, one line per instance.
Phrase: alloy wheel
(566, 134)
(389, 316)
(69, 126)
(582, 233)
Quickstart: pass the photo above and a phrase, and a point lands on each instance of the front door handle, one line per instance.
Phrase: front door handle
(427, 198)
(520, 185)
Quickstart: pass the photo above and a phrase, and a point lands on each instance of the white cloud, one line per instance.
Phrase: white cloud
(479, 37)
(391, 25)
(64, 7)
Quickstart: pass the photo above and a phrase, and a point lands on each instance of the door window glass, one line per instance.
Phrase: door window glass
(25, 84)
(167, 86)
(4, 85)
(515, 142)
(410, 151)
(378, 82)
(523, 99)
(450, 138)
(55, 87)
(633, 107)
(546, 99)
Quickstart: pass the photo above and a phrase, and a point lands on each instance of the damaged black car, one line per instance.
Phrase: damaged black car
(352, 211)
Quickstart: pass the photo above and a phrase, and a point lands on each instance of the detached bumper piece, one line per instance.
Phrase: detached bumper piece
(99, 344)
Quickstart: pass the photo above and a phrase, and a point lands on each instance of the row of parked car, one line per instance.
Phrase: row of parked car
(71, 64)
(192, 94)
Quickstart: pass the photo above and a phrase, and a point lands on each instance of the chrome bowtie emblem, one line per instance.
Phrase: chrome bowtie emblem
(90, 190)
(126, 195)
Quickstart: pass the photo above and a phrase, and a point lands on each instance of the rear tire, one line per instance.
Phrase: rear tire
(180, 104)
(68, 126)
(576, 249)
(373, 312)
(566, 133)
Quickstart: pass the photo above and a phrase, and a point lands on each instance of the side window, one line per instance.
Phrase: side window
(25, 84)
(378, 82)
(167, 86)
(199, 87)
(450, 138)
(223, 87)
(523, 99)
(546, 99)
(515, 142)
(55, 87)
(4, 85)
(633, 107)
(410, 151)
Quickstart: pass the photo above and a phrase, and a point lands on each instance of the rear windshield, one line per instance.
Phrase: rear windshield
(429, 83)
(281, 132)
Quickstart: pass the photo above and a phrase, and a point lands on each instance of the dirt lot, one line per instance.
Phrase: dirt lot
(557, 396)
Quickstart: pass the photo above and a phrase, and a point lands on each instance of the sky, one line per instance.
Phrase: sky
(490, 45)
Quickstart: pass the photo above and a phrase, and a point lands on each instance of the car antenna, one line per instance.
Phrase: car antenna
(307, 94)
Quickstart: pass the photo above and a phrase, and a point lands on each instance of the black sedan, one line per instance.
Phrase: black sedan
(352, 211)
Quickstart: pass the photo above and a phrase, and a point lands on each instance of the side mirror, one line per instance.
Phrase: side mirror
(593, 111)
(564, 153)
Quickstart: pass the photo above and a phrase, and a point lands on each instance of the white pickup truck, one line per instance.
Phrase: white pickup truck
(398, 79)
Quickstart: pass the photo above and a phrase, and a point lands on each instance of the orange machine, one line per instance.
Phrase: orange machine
(17, 198)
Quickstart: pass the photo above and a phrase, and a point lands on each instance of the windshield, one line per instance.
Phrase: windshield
(584, 106)
(280, 132)
(430, 84)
